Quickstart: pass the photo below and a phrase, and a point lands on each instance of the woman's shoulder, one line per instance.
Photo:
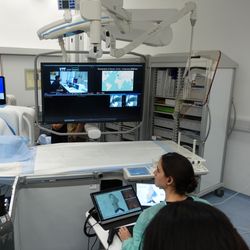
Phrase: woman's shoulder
(146, 216)
(195, 198)
(151, 211)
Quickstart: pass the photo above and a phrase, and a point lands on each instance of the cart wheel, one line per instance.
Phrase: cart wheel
(219, 192)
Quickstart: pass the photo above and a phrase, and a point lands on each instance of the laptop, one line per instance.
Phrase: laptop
(149, 194)
(116, 207)
(2, 91)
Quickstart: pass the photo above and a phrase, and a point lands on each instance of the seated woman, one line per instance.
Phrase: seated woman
(61, 128)
(174, 174)
(191, 226)
(68, 128)
(76, 128)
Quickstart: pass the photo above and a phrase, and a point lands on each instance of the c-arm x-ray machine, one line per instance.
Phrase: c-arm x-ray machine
(107, 20)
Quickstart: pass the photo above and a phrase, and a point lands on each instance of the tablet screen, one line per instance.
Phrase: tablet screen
(117, 203)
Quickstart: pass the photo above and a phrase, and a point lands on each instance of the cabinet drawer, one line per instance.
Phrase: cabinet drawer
(130, 137)
(190, 124)
(166, 133)
(112, 137)
(164, 122)
(191, 110)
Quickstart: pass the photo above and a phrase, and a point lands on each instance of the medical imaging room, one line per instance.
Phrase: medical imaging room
(124, 125)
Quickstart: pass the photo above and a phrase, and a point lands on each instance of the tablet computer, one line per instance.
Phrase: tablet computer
(116, 207)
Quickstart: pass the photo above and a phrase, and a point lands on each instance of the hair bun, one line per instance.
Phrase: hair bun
(192, 185)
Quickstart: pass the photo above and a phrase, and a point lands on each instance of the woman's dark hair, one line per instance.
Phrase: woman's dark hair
(181, 170)
(191, 225)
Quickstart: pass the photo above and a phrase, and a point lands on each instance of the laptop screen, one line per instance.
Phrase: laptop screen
(149, 194)
(116, 204)
(2, 91)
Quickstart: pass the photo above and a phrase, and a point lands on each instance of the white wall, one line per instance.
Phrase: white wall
(14, 71)
(222, 24)
(20, 20)
(14, 68)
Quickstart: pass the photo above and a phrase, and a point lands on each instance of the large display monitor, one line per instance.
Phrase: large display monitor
(92, 92)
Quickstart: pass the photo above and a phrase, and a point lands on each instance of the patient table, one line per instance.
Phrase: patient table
(52, 191)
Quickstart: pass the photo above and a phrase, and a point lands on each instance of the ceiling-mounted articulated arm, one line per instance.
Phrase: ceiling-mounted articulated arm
(41, 32)
(116, 8)
(189, 7)
(90, 10)
(67, 19)
(102, 19)
(62, 46)
(121, 17)
(77, 26)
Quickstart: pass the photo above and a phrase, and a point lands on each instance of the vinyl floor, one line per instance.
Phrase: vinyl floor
(237, 207)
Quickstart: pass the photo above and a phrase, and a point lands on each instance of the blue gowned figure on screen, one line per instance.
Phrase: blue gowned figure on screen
(115, 203)
(151, 195)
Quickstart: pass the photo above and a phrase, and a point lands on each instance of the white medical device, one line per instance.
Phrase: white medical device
(108, 21)
(138, 172)
(93, 131)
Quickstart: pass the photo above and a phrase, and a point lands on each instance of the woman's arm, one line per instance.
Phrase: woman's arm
(133, 243)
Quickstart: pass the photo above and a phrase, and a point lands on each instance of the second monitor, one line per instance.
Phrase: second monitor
(2, 91)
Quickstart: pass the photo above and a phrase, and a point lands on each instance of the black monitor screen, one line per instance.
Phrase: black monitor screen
(2, 91)
(92, 92)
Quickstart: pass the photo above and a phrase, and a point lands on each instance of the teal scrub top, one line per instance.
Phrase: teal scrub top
(134, 243)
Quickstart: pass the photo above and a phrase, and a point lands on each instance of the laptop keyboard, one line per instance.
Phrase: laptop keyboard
(130, 229)
(120, 223)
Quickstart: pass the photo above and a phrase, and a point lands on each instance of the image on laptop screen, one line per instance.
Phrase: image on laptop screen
(2, 91)
(149, 194)
(118, 203)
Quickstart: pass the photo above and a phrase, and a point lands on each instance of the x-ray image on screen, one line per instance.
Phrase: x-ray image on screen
(116, 101)
(112, 204)
(131, 100)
